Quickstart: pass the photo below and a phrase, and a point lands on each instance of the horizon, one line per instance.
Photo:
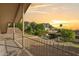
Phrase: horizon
(50, 24)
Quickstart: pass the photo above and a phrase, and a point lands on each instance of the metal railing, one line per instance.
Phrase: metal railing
(63, 50)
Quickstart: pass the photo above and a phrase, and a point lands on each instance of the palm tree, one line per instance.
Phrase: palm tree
(61, 25)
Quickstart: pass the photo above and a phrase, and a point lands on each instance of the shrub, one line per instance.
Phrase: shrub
(67, 35)
(19, 25)
(52, 36)
(35, 29)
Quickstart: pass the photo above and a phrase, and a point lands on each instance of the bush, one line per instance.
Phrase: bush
(53, 36)
(67, 35)
(35, 29)
(19, 25)
(39, 29)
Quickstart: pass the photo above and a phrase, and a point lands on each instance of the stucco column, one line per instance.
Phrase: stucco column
(14, 31)
(23, 28)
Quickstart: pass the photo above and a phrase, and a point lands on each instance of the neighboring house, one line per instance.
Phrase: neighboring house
(77, 32)
(52, 32)
(47, 26)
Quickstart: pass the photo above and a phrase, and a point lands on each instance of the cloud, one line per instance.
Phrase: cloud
(37, 11)
(39, 6)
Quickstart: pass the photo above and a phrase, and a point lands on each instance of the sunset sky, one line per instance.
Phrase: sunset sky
(55, 14)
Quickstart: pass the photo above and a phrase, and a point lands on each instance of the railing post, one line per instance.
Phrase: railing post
(6, 47)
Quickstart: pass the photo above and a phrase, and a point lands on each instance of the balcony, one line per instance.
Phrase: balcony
(14, 42)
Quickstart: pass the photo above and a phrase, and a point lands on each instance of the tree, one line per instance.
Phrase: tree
(29, 30)
(39, 30)
(35, 29)
(67, 35)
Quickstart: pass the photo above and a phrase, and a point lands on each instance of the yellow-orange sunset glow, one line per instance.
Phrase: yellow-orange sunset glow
(55, 14)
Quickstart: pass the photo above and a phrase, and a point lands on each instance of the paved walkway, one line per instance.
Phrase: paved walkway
(11, 47)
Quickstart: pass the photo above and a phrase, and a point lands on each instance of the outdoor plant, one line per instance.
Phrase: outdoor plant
(19, 25)
(67, 35)
(35, 29)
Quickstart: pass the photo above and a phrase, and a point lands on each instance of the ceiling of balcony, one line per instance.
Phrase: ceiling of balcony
(9, 13)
